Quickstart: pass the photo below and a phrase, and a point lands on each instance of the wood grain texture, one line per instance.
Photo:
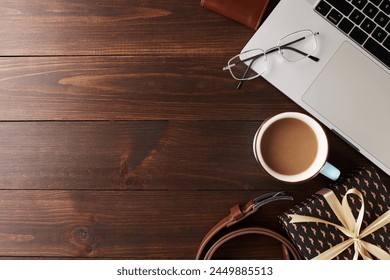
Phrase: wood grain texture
(131, 88)
(143, 155)
(121, 27)
(121, 224)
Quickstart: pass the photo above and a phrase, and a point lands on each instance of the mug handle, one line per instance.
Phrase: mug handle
(328, 170)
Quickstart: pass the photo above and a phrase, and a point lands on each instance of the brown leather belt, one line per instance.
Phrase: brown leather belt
(237, 213)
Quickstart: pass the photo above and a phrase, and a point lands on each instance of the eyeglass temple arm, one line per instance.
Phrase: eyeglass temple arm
(274, 49)
(285, 46)
(243, 76)
(314, 58)
(253, 58)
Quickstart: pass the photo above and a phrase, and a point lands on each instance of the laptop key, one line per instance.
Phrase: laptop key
(379, 34)
(344, 7)
(334, 17)
(376, 2)
(382, 19)
(356, 16)
(358, 35)
(368, 25)
(323, 8)
(359, 3)
(385, 7)
(346, 25)
(386, 43)
(378, 51)
(370, 10)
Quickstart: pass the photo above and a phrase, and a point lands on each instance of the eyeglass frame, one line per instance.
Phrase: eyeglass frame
(271, 50)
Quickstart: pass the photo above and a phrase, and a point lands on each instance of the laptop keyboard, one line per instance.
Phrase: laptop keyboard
(367, 22)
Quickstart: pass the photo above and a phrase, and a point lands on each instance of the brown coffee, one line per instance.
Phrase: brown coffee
(289, 146)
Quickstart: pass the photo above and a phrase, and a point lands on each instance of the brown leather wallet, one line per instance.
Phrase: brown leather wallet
(247, 12)
(237, 214)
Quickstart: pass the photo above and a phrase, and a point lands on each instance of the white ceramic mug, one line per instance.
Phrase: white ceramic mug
(317, 165)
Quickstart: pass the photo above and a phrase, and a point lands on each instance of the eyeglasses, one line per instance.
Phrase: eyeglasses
(251, 64)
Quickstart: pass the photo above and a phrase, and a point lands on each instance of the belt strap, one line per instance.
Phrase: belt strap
(237, 214)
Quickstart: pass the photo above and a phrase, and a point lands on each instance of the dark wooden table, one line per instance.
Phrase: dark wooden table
(121, 136)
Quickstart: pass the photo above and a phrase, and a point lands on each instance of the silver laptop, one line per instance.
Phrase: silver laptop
(348, 89)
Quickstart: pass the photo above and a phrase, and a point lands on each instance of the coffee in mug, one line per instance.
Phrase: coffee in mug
(293, 147)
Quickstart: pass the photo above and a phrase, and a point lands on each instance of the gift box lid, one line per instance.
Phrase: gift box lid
(314, 238)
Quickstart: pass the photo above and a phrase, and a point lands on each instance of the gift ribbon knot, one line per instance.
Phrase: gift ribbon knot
(351, 227)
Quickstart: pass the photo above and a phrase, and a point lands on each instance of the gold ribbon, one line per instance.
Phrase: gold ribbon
(350, 227)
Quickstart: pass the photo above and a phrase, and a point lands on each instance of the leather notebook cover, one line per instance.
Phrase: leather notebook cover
(247, 12)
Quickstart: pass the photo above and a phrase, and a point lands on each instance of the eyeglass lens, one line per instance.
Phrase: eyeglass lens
(254, 59)
(297, 46)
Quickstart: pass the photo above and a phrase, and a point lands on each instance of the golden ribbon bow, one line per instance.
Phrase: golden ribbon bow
(350, 227)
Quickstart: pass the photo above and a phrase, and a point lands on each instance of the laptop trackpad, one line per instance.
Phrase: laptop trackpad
(353, 94)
